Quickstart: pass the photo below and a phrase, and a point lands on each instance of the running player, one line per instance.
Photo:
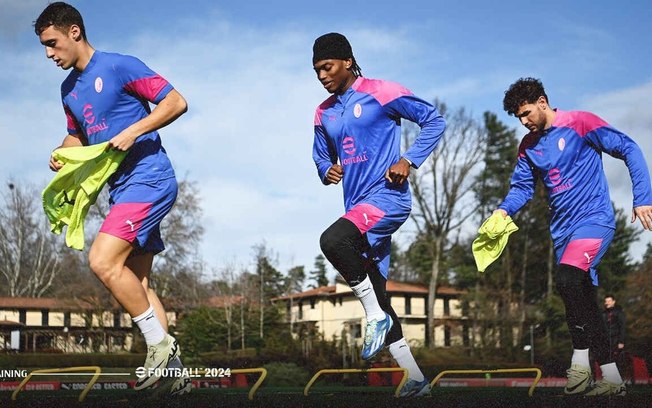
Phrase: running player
(357, 141)
(105, 98)
(564, 150)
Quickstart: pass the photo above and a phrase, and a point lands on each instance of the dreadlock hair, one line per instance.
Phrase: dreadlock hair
(335, 46)
(60, 15)
(525, 90)
(355, 68)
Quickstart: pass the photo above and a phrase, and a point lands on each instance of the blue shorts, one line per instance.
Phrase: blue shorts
(379, 218)
(137, 210)
(584, 248)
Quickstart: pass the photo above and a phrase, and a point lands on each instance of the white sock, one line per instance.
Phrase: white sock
(365, 292)
(581, 357)
(150, 326)
(610, 373)
(403, 356)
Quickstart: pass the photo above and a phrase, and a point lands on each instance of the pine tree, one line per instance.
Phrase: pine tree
(499, 160)
(617, 264)
(318, 274)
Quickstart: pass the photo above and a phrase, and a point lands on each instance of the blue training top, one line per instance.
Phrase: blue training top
(109, 95)
(362, 129)
(567, 157)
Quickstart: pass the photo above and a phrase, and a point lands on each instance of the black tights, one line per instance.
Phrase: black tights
(585, 324)
(343, 245)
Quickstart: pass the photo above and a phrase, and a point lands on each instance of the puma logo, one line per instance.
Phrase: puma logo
(580, 327)
(366, 218)
(131, 224)
(588, 257)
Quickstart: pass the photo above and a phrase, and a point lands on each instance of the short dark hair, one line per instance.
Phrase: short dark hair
(525, 90)
(60, 15)
(610, 295)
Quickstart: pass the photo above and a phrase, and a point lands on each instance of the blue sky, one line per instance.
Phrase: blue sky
(245, 69)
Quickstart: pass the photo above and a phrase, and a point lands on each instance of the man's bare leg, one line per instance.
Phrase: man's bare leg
(107, 258)
(141, 266)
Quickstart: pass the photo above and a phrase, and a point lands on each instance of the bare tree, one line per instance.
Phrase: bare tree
(443, 190)
(30, 258)
(226, 289)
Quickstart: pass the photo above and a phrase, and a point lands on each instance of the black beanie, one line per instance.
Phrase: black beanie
(331, 46)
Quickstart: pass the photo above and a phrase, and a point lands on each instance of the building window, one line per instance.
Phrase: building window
(447, 307)
(300, 311)
(44, 342)
(45, 317)
(66, 319)
(341, 300)
(447, 336)
(465, 336)
(408, 304)
(116, 319)
(22, 316)
(356, 331)
(312, 303)
(465, 308)
(118, 341)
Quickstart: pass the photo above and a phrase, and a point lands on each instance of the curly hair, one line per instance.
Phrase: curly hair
(525, 90)
(60, 15)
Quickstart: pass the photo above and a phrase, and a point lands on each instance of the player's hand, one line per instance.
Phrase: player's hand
(55, 165)
(501, 212)
(123, 140)
(334, 174)
(398, 172)
(643, 213)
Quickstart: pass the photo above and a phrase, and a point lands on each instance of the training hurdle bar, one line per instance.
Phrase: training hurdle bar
(497, 371)
(88, 387)
(359, 370)
(259, 382)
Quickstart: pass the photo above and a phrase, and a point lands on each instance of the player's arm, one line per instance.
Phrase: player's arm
(325, 158)
(167, 111)
(617, 144)
(521, 188)
(68, 141)
(432, 126)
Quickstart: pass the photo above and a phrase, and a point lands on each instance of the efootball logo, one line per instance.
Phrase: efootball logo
(348, 145)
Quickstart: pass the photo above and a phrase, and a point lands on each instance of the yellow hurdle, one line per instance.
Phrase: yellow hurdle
(501, 370)
(359, 370)
(88, 387)
(252, 391)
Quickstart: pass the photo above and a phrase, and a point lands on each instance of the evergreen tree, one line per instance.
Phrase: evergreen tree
(269, 280)
(499, 160)
(637, 303)
(318, 274)
(294, 280)
(647, 255)
(616, 264)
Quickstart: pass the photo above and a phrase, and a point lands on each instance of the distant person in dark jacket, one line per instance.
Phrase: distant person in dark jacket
(614, 319)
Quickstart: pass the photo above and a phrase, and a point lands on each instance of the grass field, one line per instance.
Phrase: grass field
(324, 397)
